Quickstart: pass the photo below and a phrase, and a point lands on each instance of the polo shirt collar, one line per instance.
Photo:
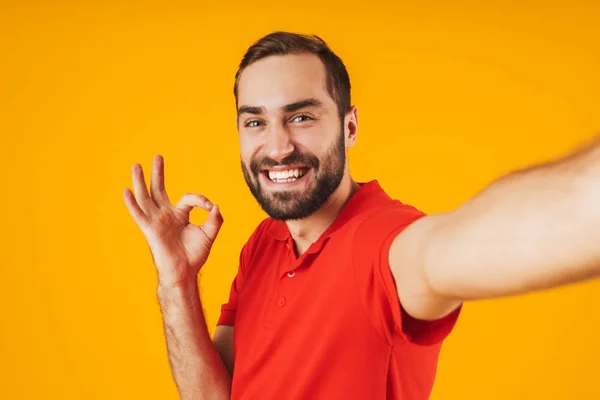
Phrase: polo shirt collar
(369, 194)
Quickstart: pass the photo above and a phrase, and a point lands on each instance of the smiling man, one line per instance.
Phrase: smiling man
(298, 187)
(343, 292)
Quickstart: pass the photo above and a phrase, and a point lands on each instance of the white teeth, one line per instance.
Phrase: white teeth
(289, 175)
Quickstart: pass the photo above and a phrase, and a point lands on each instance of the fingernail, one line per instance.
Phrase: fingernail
(208, 204)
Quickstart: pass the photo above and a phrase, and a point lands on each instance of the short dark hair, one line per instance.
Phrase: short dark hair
(282, 43)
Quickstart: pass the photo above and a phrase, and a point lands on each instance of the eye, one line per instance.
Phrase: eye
(301, 118)
(253, 124)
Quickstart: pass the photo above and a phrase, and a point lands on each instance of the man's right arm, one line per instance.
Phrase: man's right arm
(201, 369)
(179, 250)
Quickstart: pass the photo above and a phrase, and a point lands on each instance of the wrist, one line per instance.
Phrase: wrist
(182, 287)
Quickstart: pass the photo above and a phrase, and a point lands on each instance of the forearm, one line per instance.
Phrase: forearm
(534, 229)
(197, 368)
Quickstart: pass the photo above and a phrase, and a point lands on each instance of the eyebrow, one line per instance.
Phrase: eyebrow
(303, 104)
(288, 107)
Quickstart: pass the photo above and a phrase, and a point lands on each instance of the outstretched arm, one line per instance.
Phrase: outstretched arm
(533, 229)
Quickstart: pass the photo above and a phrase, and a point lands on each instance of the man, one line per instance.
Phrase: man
(344, 293)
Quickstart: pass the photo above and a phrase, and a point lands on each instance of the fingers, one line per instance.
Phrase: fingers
(141, 191)
(190, 200)
(213, 223)
(136, 212)
(157, 183)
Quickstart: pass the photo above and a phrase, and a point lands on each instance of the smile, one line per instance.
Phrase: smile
(285, 175)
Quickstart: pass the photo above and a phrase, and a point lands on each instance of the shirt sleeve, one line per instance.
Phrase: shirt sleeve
(229, 309)
(373, 240)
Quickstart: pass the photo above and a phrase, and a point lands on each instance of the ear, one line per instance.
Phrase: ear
(351, 126)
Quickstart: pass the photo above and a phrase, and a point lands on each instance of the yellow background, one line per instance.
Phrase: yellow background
(450, 96)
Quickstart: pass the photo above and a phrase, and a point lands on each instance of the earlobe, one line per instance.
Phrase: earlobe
(351, 126)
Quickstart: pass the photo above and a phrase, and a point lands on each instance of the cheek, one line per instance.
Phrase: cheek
(315, 141)
(248, 149)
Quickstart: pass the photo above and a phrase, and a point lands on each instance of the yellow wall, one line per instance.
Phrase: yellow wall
(449, 97)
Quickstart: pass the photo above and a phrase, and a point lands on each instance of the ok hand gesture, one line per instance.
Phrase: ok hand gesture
(179, 248)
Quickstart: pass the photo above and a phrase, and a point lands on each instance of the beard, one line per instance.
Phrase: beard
(293, 204)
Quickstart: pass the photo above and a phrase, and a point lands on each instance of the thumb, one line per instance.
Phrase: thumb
(213, 222)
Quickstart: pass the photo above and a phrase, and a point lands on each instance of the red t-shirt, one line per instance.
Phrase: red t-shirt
(328, 324)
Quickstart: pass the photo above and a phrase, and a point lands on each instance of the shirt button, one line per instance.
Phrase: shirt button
(282, 302)
(291, 274)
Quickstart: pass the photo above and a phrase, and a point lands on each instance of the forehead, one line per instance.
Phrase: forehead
(279, 80)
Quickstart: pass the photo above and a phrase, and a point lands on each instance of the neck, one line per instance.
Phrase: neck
(307, 230)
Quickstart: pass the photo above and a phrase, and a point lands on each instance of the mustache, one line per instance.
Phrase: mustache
(295, 158)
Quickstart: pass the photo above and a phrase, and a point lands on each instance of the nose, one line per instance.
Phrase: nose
(278, 143)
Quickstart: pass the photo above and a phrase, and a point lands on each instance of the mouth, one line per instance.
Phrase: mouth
(285, 176)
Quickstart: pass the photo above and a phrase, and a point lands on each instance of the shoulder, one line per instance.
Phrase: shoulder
(371, 210)
(371, 242)
(381, 223)
(261, 231)
(263, 236)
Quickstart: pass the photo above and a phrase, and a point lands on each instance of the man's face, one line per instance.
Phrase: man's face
(292, 141)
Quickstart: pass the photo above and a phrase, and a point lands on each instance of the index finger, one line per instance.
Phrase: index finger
(157, 183)
(138, 215)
